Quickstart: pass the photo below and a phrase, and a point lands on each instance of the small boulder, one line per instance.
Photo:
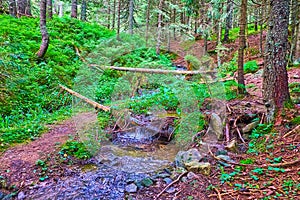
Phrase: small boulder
(226, 158)
(183, 157)
(131, 188)
(191, 175)
(171, 190)
(250, 127)
(215, 126)
(147, 182)
(199, 167)
(168, 180)
(232, 146)
(21, 196)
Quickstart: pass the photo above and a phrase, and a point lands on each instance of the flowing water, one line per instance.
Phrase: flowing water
(130, 158)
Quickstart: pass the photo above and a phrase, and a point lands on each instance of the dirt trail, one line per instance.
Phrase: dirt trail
(18, 163)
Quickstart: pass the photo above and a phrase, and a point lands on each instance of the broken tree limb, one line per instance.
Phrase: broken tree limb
(154, 71)
(87, 100)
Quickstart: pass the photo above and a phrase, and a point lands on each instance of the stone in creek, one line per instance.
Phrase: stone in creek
(171, 190)
(168, 180)
(131, 188)
(21, 196)
(147, 182)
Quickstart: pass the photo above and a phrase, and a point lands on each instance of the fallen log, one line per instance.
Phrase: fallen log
(87, 100)
(154, 71)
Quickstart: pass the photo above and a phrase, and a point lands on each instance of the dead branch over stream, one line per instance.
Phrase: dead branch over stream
(87, 100)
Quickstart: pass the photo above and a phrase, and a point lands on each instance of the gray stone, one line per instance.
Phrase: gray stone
(171, 190)
(168, 180)
(21, 195)
(183, 157)
(250, 127)
(232, 146)
(225, 157)
(215, 126)
(131, 188)
(191, 175)
(199, 167)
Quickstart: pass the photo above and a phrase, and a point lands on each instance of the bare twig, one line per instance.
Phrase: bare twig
(295, 130)
(218, 192)
(240, 135)
(175, 181)
(227, 133)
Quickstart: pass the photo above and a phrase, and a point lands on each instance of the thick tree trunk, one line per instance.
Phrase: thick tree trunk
(242, 46)
(83, 10)
(74, 9)
(12, 8)
(60, 9)
(50, 9)
(275, 78)
(228, 26)
(159, 28)
(21, 7)
(28, 8)
(130, 17)
(45, 37)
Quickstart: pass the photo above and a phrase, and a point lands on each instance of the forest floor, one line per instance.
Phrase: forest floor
(270, 174)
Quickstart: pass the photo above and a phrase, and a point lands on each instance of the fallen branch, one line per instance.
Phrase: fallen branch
(78, 54)
(218, 192)
(295, 130)
(285, 164)
(87, 100)
(175, 181)
(154, 71)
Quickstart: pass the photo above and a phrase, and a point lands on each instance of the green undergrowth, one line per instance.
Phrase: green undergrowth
(31, 96)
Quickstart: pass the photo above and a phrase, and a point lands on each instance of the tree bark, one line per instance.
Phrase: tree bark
(21, 7)
(45, 37)
(119, 20)
(83, 10)
(130, 17)
(108, 14)
(12, 8)
(228, 20)
(114, 15)
(74, 9)
(159, 29)
(147, 21)
(275, 78)
(242, 46)
(294, 28)
(50, 9)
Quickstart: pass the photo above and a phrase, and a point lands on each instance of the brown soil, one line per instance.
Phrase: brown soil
(18, 164)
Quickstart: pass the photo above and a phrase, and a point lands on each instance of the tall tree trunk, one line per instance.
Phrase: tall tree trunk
(130, 17)
(45, 37)
(294, 26)
(50, 9)
(12, 8)
(83, 10)
(228, 25)
(119, 20)
(147, 21)
(108, 14)
(2, 10)
(114, 15)
(74, 9)
(261, 21)
(28, 8)
(21, 7)
(275, 78)
(242, 46)
(60, 9)
(159, 28)
(297, 45)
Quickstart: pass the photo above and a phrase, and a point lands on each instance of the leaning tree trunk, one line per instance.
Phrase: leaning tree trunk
(12, 8)
(275, 78)
(45, 37)
(50, 9)
(83, 10)
(74, 9)
(159, 24)
(242, 46)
